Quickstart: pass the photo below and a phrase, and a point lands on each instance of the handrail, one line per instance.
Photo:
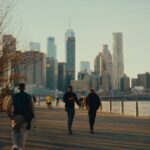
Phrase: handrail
(126, 98)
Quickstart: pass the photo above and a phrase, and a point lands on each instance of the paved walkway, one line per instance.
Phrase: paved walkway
(112, 132)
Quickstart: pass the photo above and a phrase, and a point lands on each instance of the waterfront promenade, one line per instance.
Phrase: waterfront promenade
(112, 132)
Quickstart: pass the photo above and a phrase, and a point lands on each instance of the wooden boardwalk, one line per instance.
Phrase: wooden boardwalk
(112, 132)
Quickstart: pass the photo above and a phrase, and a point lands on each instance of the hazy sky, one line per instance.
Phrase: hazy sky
(93, 22)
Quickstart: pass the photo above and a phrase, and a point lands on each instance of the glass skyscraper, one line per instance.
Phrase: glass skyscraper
(85, 66)
(35, 46)
(51, 47)
(70, 55)
(118, 60)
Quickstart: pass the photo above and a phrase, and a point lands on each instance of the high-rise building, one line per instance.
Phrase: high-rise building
(94, 81)
(82, 85)
(52, 73)
(85, 66)
(105, 82)
(70, 55)
(118, 60)
(8, 44)
(106, 68)
(33, 68)
(97, 64)
(62, 76)
(144, 80)
(35, 46)
(51, 47)
(125, 83)
(106, 60)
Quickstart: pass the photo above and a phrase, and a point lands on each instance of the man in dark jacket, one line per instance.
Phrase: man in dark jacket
(20, 111)
(93, 103)
(69, 99)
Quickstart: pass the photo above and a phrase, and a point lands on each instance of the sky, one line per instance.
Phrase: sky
(93, 22)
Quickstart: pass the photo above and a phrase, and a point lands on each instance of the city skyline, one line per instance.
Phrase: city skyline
(93, 23)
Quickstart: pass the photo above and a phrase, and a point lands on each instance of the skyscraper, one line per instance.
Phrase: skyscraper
(97, 64)
(61, 76)
(52, 73)
(35, 46)
(32, 68)
(125, 83)
(70, 55)
(118, 60)
(85, 66)
(8, 44)
(106, 60)
(106, 68)
(51, 47)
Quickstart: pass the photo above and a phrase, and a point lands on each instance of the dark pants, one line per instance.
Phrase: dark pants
(70, 114)
(92, 116)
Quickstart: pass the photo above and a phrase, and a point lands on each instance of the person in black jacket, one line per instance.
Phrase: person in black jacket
(93, 103)
(20, 111)
(69, 99)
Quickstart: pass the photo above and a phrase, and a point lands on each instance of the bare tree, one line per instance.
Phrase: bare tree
(10, 58)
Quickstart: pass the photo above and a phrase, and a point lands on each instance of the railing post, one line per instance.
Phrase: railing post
(122, 106)
(110, 105)
(137, 109)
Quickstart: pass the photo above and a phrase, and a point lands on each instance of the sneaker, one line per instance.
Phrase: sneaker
(91, 131)
(15, 147)
(70, 132)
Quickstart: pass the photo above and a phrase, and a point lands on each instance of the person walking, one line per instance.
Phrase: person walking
(93, 103)
(69, 99)
(49, 101)
(57, 101)
(20, 111)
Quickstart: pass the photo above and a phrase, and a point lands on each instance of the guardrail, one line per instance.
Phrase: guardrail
(137, 105)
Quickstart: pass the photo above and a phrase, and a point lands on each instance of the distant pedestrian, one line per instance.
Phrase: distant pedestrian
(57, 101)
(69, 99)
(20, 111)
(34, 99)
(38, 100)
(93, 103)
(49, 101)
(81, 101)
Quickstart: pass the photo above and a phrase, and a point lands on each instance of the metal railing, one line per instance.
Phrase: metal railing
(134, 102)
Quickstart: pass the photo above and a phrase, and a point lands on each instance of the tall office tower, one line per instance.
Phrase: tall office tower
(118, 60)
(94, 81)
(33, 68)
(85, 66)
(51, 47)
(8, 44)
(35, 46)
(62, 76)
(106, 68)
(52, 73)
(97, 64)
(125, 83)
(144, 80)
(106, 60)
(70, 55)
